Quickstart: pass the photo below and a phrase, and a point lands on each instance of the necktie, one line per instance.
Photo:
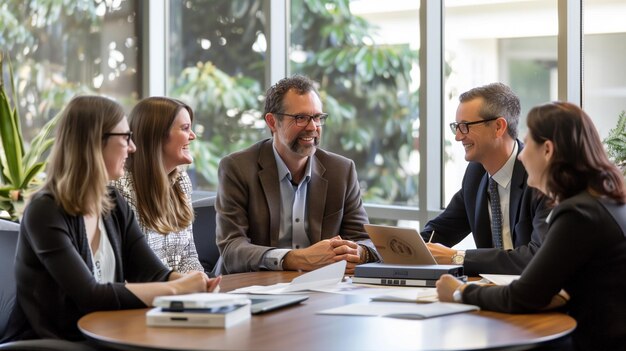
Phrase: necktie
(496, 214)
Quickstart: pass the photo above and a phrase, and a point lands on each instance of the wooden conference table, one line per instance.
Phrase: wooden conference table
(300, 328)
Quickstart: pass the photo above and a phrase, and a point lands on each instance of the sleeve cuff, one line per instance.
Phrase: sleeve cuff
(273, 259)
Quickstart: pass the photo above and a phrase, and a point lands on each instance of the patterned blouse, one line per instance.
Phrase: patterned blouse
(177, 250)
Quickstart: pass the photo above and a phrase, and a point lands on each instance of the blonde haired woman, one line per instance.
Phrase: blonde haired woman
(80, 248)
(155, 186)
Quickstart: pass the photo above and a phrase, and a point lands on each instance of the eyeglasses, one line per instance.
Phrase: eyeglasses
(463, 127)
(304, 120)
(128, 135)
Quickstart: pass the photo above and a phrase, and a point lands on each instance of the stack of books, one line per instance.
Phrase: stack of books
(202, 310)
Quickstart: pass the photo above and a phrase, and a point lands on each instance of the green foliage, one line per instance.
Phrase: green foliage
(232, 104)
(20, 168)
(616, 142)
(367, 90)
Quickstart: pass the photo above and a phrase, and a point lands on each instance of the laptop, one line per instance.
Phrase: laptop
(266, 303)
(398, 245)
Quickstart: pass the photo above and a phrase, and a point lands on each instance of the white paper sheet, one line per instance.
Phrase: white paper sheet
(401, 310)
(409, 295)
(500, 279)
(328, 276)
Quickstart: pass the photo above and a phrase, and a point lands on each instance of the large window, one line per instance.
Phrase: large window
(487, 42)
(365, 58)
(604, 48)
(221, 55)
(217, 51)
(60, 49)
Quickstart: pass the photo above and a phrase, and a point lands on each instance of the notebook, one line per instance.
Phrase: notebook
(398, 245)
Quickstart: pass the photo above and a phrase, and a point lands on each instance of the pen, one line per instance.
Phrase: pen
(431, 237)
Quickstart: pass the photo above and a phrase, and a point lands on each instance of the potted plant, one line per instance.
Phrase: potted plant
(20, 168)
(616, 143)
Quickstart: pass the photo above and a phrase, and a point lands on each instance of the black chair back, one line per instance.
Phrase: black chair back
(8, 244)
(204, 235)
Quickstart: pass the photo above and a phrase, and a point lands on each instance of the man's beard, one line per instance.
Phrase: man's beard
(302, 150)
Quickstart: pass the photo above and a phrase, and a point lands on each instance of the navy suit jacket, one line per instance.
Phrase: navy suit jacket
(468, 212)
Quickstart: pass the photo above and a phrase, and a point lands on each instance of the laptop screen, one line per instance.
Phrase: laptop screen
(398, 245)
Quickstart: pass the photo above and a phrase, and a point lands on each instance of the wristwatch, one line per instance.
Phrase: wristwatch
(457, 295)
(458, 257)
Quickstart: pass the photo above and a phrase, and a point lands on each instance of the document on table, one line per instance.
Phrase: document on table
(325, 277)
(409, 295)
(500, 279)
(401, 310)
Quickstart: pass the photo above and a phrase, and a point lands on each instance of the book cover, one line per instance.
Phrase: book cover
(217, 317)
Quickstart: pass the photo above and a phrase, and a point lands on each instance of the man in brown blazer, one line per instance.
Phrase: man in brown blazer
(285, 204)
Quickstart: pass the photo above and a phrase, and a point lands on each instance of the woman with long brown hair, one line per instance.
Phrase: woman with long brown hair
(156, 186)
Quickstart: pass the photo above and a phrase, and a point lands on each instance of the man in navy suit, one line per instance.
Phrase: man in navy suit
(486, 125)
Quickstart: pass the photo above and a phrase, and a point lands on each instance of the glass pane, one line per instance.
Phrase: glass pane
(364, 54)
(62, 48)
(604, 89)
(216, 65)
(513, 42)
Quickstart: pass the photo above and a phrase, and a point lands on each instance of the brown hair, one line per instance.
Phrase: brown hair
(276, 93)
(76, 172)
(579, 160)
(161, 202)
(498, 100)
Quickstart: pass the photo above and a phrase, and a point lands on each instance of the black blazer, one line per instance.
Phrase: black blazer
(584, 253)
(468, 212)
(55, 283)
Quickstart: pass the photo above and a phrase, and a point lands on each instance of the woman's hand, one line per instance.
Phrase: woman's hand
(191, 282)
(446, 285)
(213, 284)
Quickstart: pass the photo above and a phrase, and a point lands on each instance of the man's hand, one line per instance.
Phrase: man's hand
(315, 256)
(441, 253)
(324, 253)
(349, 251)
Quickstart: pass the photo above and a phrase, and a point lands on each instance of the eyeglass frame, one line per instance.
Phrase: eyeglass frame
(128, 135)
(321, 116)
(454, 126)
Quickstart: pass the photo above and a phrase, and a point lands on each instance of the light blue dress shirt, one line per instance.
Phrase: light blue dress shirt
(293, 215)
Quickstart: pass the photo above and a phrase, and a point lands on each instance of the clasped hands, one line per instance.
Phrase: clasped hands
(324, 253)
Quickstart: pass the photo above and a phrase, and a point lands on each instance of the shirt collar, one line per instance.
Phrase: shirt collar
(503, 175)
(283, 171)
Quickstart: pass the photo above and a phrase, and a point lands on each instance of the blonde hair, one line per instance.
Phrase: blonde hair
(161, 202)
(76, 173)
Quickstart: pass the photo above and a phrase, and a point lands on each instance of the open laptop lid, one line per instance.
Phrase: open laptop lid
(399, 245)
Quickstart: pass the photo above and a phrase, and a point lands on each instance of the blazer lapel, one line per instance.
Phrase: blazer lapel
(483, 224)
(268, 176)
(316, 199)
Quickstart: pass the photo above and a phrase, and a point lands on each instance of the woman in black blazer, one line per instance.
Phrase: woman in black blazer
(584, 252)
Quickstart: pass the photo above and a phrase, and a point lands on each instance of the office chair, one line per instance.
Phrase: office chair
(8, 242)
(204, 236)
